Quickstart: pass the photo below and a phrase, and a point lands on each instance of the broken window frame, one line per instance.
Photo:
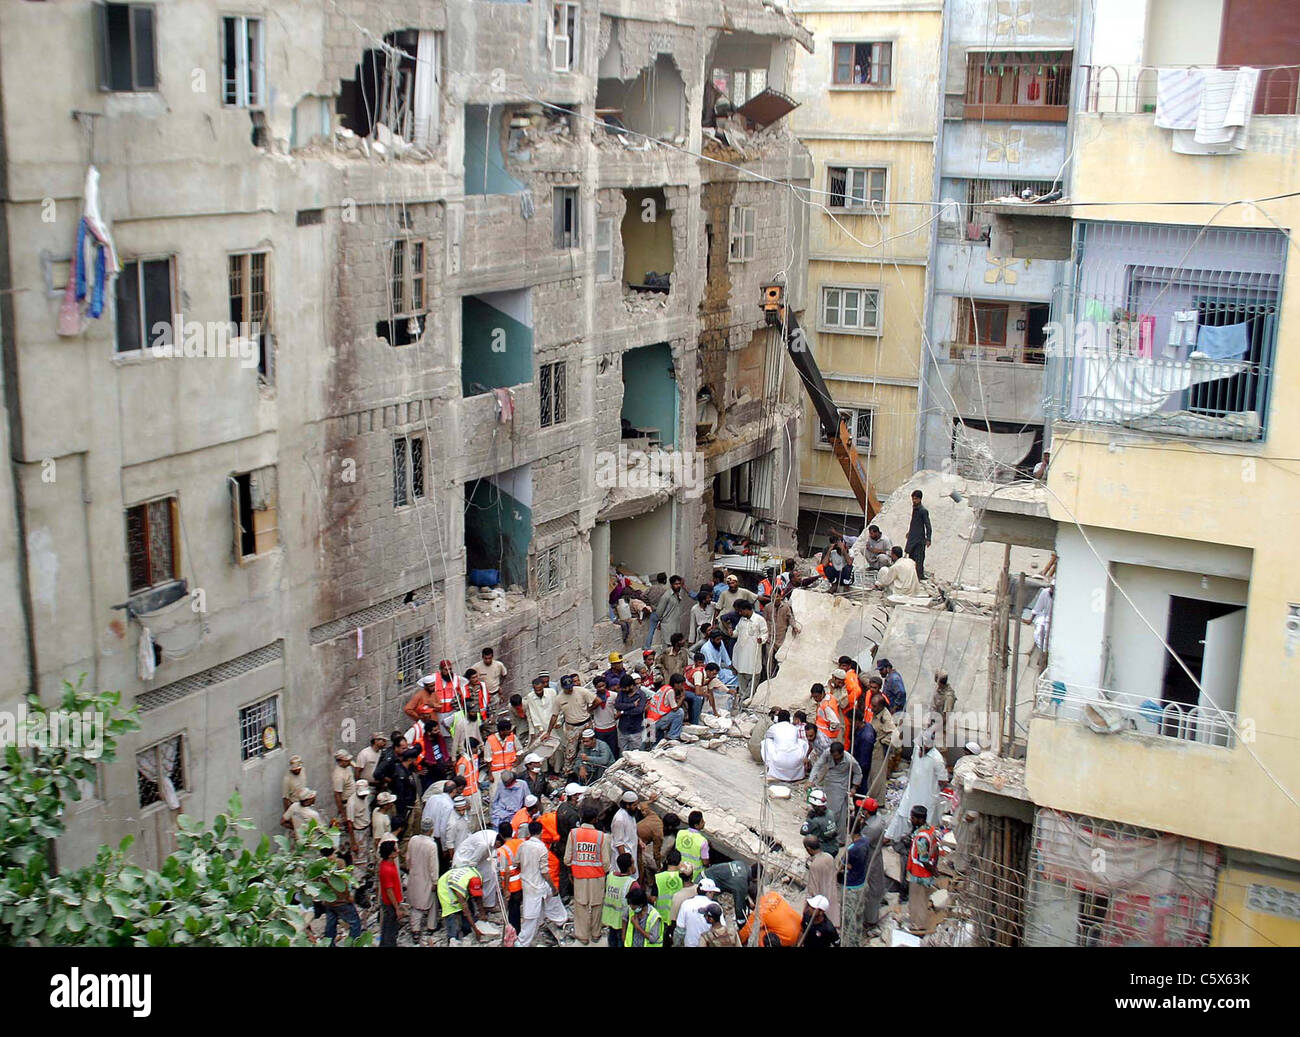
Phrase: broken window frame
(742, 230)
(552, 394)
(410, 469)
(876, 74)
(856, 415)
(867, 299)
(566, 237)
(135, 15)
(412, 658)
(149, 798)
(548, 570)
(250, 306)
(244, 86)
(160, 567)
(605, 248)
(725, 79)
(254, 719)
(144, 326)
(858, 188)
(263, 487)
(407, 277)
(567, 16)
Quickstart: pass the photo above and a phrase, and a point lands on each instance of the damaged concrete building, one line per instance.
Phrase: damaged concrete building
(495, 324)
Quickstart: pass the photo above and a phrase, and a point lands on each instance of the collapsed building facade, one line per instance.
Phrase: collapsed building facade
(470, 280)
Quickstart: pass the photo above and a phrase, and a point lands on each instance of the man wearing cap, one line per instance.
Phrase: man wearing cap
(421, 696)
(530, 811)
(839, 775)
(623, 828)
(689, 920)
(294, 782)
(301, 813)
(588, 854)
(540, 899)
(344, 783)
(817, 928)
(733, 877)
(820, 823)
(421, 881)
(369, 756)
(821, 877)
(734, 594)
(568, 815)
(718, 934)
(573, 706)
(458, 826)
(509, 881)
(357, 821)
(864, 884)
(478, 851)
(533, 776)
(747, 657)
(508, 797)
(593, 757)
(616, 669)
(381, 817)
(458, 889)
(922, 865)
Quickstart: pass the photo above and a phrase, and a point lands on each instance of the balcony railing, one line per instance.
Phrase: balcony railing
(1110, 712)
(1026, 355)
(1131, 89)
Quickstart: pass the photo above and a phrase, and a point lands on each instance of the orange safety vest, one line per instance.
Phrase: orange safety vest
(503, 753)
(587, 863)
(829, 710)
(550, 837)
(508, 861)
(765, 587)
(915, 866)
(467, 767)
(661, 704)
(445, 692)
(520, 822)
(479, 697)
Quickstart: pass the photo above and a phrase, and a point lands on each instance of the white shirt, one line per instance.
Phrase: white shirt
(438, 809)
(701, 620)
(901, 576)
(476, 850)
(623, 830)
(539, 710)
(751, 633)
(534, 867)
(691, 920)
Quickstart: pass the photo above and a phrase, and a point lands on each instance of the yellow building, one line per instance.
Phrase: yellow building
(1164, 731)
(869, 108)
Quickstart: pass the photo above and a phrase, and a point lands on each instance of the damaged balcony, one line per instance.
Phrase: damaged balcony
(743, 100)
(642, 107)
(646, 234)
(392, 107)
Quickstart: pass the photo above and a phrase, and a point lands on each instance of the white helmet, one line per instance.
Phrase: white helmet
(817, 798)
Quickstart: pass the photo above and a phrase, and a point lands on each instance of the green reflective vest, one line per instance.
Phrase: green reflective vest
(614, 913)
(690, 844)
(651, 924)
(667, 884)
(451, 883)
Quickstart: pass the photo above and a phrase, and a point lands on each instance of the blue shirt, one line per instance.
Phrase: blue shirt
(719, 655)
(858, 856)
(895, 692)
(864, 741)
(718, 588)
(507, 800)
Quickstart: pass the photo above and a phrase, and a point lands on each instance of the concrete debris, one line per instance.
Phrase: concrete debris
(676, 754)
(939, 899)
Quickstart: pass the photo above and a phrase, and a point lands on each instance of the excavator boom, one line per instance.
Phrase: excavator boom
(834, 425)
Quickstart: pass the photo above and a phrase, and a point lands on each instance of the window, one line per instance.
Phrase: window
(1018, 85)
(857, 188)
(412, 658)
(407, 277)
(564, 37)
(259, 728)
(564, 201)
(243, 66)
(408, 470)
(980, 191)
(861, 420)
(254, 502)
(738, 85)
(851, 309)
(744, 218)
(143, 297)
(160, 772)
(553, 393)
(249, 309)
(549, 577)
(986, 323)
(153, 550)
(605, 248)
(863, 64)
(124, 47)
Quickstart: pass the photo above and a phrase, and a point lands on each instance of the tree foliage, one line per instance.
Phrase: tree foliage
(213, 891)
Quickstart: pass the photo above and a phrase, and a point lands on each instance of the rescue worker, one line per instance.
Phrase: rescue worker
(830, 721)
(645, 927)
(821, 823)
(501, 750)
(357, 819)
(665, 712)
(344, 783)
(693, 847)
(540, 899)
(457, 891)
(614, 912)
(922, 866)
(508, 875)
(588, 854)
(294, 782)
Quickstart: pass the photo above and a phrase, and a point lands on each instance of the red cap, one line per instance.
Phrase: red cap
(476, 886)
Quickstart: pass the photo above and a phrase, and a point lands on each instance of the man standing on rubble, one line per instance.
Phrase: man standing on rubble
(864, 883)
(588, 853)
(919, 533)
(751, 635)
(673, 610)
(822, 878)
(839, 775)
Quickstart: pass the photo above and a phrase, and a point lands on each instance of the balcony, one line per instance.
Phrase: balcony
(1132, 89)
(1110, 712)
(1018, 86)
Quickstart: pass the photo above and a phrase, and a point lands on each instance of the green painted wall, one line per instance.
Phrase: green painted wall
(649, 391)
(498, 530)
(488, 360)
(485, 171)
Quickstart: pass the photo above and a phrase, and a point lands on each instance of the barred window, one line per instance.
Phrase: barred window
(549, 577)
(412, 658)
(552, 390)
(152, 547)
(259, 728)
(160, 772)
(408, 470)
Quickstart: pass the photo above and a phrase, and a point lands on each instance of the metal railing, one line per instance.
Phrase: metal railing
(1131, 89)
(1108, 711)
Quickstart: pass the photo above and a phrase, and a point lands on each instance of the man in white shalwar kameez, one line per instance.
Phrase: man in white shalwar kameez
(928, 770)
(783, 750)
(747, 656)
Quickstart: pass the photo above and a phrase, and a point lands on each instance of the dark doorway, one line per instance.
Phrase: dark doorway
(1036, 318)
(1186, 636)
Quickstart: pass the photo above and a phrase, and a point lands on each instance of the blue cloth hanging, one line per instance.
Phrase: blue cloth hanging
(1227, 342)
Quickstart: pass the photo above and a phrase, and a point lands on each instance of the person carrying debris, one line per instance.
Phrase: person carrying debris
(821, 823)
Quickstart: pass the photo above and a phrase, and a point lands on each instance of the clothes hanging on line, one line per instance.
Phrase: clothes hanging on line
(1227, 342)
